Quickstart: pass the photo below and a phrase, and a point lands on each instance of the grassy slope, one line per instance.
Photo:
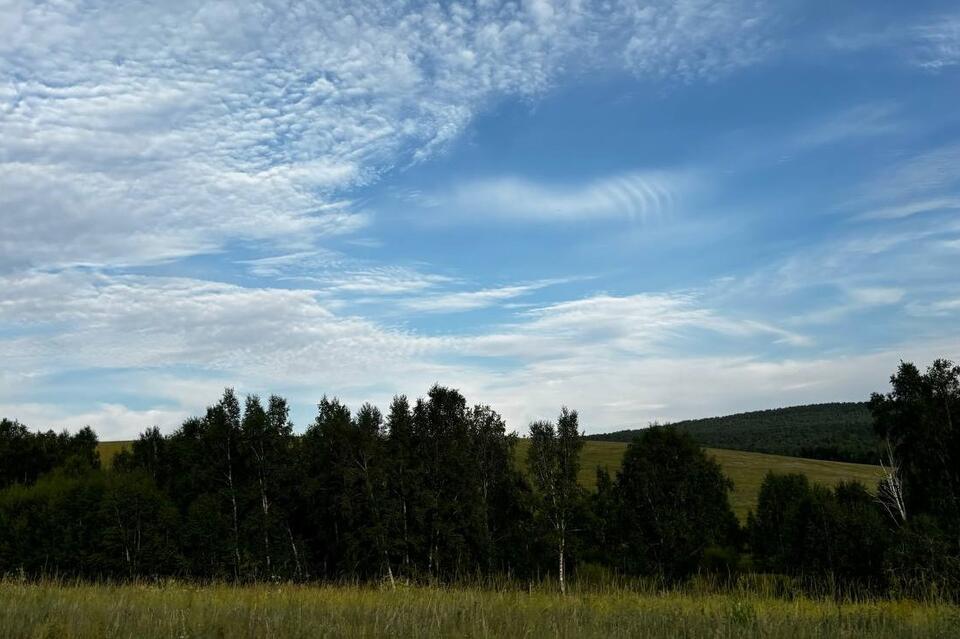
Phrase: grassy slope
(746, 469)
(108, 450)
(282, 610)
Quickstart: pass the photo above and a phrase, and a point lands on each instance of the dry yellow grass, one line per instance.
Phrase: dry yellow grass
(109, 450)
(747, 471)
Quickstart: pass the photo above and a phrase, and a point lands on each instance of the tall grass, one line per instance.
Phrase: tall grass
(39, 610)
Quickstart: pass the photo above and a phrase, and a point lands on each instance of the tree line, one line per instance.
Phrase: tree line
(430, 492)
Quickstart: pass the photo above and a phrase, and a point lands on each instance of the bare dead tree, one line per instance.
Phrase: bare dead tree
(890, 491)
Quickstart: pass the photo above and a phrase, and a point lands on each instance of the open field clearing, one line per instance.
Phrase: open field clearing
(109, 450)
(747, 470)
(147, 612)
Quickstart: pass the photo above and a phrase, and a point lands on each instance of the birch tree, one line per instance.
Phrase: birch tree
(223, 436)
(266, 437)
(554, 462)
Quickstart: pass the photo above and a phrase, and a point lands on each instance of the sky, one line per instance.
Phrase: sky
(646, 211)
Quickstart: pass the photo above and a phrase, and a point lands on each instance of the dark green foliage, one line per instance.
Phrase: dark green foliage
(26, 456)
(775, 527)
(267, 438)
(600, 536)
(233, 477)
(671, 505)
(140, 530)
(462, 503)
(448, 512)
(431, 492)
(506, 506)
(920, 418)
(92, 524)
(923, 558)
(403, 488)
(838, 431)
(346, 494)
(806, 529)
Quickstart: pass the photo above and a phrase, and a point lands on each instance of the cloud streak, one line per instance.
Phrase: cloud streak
(638, 197)
(472, 300)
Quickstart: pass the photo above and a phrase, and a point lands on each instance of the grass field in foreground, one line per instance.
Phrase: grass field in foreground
(747, 470)
(182, 611)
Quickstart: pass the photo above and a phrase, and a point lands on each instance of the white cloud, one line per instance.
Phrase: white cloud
(291, 341)
(860, 121)
(857, 300)
(621, 392)
(931, 42)
(82, 320)
(914, 186)
(293, 264)
(939, 43)
(877, 295)
(97, 321)
(632, 196)
(141, 132)
(335, 273)
(614, 327)
(913, 208)
(390, 280)
(695, 38)
(109, 421)
(926, 176)
(472, 300)
(938, 308)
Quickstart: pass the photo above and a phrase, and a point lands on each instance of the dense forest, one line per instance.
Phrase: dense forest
(840, 431)
(429, 492)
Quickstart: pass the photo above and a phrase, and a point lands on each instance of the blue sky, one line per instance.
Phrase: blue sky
(646, 211)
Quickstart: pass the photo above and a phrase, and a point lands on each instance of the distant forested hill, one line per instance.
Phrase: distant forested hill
(840, 431)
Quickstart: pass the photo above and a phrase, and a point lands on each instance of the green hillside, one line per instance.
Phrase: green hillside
(837, 431)
(746, 469)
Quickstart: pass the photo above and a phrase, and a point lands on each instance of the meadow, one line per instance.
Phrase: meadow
(40, 611)
(109, 450)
